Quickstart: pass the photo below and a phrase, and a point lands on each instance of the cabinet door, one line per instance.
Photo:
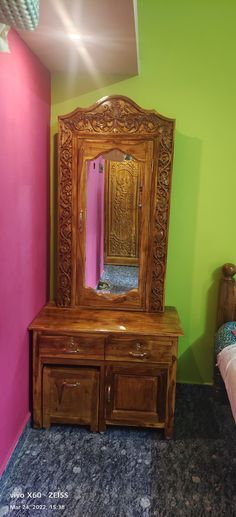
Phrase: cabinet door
(70, 395)
(136, 395)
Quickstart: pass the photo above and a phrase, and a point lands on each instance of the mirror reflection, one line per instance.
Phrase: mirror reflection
(113, 210)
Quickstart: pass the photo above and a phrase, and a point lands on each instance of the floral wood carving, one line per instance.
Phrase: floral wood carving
(64, 272)
(122, 234)
(114, 116)
(161, 220)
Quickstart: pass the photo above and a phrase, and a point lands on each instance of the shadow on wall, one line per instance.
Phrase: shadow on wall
(196, 358)
(182, 240)
(75, 85)
(203, 347)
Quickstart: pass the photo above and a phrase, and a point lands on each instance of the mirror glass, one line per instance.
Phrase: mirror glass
(113, 214)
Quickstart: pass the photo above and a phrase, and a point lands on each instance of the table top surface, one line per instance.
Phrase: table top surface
(56, 319)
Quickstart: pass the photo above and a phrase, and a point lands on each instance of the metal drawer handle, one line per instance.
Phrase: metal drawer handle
(71, 351)
(109, 394)
(138, 355)
(71, 384)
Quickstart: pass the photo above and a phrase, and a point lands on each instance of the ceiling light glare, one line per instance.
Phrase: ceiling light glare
(75, 36)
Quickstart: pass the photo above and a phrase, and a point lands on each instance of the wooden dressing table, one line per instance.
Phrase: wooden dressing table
(98, 358)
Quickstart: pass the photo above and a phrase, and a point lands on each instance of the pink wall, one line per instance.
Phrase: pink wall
(94, 223)
(24, 223)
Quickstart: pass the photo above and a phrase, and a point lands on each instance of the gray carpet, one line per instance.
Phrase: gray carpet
(128, 472)
(120, 278)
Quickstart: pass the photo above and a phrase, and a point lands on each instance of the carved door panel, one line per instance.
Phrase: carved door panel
(136, 395)
(123, 190)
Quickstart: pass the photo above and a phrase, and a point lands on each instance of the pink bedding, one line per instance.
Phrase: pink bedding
(226, 362)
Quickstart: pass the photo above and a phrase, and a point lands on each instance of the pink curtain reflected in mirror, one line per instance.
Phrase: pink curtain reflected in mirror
(94, 264)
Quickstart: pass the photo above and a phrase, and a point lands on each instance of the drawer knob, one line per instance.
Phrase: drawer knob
(138, 355)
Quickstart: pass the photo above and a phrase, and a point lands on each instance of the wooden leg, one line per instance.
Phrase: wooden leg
(102, 427)
(170, 409)
(36, 425)
(93, 428)
(168, 433)
(36, 385)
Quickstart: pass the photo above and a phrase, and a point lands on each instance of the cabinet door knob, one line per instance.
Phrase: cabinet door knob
(138, 355)
(109, 393)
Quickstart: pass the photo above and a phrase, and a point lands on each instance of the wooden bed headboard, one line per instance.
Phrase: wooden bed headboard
(227, 295)
(226, 311)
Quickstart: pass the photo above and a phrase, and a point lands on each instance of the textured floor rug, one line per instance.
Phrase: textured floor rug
(71, 472)
(120, 278)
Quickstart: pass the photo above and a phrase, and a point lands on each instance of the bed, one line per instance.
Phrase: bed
(225, 339)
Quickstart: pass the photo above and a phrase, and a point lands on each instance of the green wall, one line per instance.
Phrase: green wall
(187, 71)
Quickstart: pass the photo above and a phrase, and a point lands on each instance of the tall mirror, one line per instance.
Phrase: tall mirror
(113, 216)
(114, 181)
(113, 196)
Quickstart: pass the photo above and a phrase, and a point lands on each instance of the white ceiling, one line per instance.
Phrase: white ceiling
(108, 39)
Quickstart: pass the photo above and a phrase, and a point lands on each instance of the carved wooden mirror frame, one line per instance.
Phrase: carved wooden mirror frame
(115, 118)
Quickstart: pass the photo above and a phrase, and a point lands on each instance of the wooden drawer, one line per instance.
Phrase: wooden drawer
(70, 395)
(141, 349)
(80, 347)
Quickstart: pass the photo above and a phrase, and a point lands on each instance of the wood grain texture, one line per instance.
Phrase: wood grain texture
(80, 347)
(112, 119)
(89, 321)
(144, 349)
(227, 295)
(138, 355)
(101, 359)
(136, 395)
(70, 395)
